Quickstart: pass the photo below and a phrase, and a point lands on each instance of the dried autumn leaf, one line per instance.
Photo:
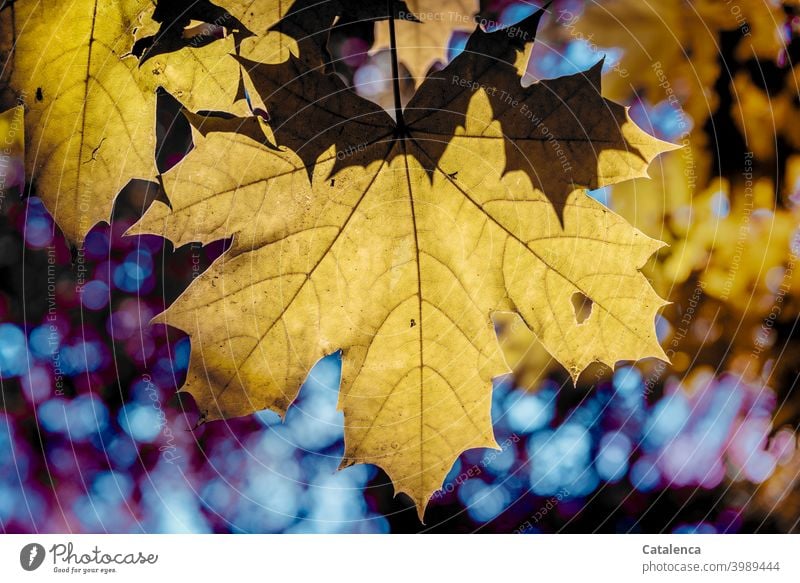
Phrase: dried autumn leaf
(396, 242)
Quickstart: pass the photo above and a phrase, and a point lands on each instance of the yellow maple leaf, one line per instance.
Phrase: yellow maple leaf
(423, 34)
(395, 242)
(90, 110)
(275, 29)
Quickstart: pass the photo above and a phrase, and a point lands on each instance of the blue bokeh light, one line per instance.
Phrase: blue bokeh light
(13, 352)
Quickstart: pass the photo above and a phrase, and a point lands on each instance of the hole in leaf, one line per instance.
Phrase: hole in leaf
(582, 306)
(200, 33)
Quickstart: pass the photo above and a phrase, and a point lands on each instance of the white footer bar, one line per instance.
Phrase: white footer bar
(357, 558)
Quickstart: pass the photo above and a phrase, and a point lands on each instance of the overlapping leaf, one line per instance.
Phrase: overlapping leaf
(396, 242)
(266, 31)
(90, 110)
(423, 34)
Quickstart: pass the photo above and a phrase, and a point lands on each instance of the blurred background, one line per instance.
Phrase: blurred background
(95, 438)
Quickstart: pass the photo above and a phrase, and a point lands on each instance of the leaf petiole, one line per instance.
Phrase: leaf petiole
(398, 106)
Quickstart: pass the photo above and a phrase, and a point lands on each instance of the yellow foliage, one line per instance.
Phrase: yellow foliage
(397, 242)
